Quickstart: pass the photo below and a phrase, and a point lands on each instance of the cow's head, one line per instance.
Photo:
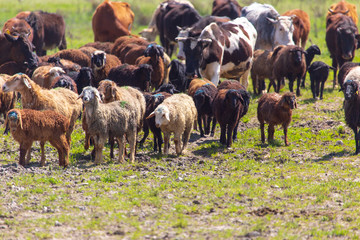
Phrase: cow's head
(21, 50)
(183, 34)
(351, 89)
(98, 60)
(347, 41)
(283, 30)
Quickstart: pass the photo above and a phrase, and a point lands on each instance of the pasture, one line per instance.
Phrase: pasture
(309, 189)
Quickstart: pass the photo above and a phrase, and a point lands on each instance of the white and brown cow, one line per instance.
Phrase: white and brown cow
(222, 50)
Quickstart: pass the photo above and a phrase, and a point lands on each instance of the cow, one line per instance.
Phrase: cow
(345, 8)
(226, 8)
(301, 23)
(49, 31)
(342, 39)
(193, 32)
(171, 16)
(272, 29)
(18, 26)
(222, 50)
(18, 49)
(112, 20)
(151, 31)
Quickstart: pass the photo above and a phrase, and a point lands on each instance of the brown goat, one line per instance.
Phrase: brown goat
(27, 126)
(275, 109)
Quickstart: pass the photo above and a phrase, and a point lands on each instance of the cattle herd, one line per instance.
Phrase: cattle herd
(122, 84)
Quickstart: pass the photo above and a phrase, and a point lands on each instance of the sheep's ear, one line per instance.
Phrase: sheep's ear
(167, 116)
(20, 120)
(97, 95)
(26, 82)
(151, 115)
(113, 92)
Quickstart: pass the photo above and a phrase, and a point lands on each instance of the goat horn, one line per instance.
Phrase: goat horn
(151, 115)
(331, 11)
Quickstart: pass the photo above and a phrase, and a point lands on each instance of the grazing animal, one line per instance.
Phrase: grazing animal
(301, 21)
(152, 101)
(109, 120)
(74, 55)
(344, 8)
(102, 46)
(101, 64)
(60, 100)
(319, 72)
(177, 75)
(351, 109)
(227, 8)
(64, 81)
(342, 39)
(289, 62)
(48, 30)
(229, 106)
(84, 78)
(275, 109)
(7, 100)
(45, 75)
(169, 88)
(175, 115)
(130, 75)
(261, 69)
(344, 70)
(203, 99)
(222, 50)
(128, 48)
(27, 126)
(272, 29)
(195, 84)
(309, 56)
(112, 20)
(17, 26)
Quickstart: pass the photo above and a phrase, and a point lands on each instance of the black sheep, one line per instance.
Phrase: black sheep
(319, 72)
(309, 56)
(84, 78)
(168, 87)
(351, 108)
(177, 75)
(203, 99)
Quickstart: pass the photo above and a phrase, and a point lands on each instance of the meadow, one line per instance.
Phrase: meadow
(308, 190)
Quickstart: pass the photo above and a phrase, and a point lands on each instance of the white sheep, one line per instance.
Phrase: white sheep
(44, 75)
(176, 115)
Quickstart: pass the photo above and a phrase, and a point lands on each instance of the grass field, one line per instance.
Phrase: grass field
(308, 190)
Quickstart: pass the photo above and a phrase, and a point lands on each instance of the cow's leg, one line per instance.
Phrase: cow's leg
(244, 79)
(291, 84)
(212, 72)
(298, 86)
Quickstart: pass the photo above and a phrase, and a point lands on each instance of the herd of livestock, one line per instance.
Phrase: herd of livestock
(121, 83)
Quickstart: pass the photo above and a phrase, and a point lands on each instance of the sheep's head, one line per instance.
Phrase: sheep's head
(13, 119)
(288, 100)
(90, 94)
(154, 50)
(199, 98)
(143, 73)
(17, 82)
(98, 60)
(351, 89)
(162, 116)
(314, 50)
(296, 54)
(233, 98)
(107, 90)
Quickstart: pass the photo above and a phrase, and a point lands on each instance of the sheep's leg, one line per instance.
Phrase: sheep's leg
(146, 134)
(199, 118)
(213, 126)
(277, 88)
(186, 137)
(303, 81)
(313, 90)
(285, 135)
(262, 126)
(272, 83)
(271, 131)
(157, 139)
(255, 82)
(177, 141)
(229, 132)
(24, 148)
(98, 146)
(42, 162)
(28, 154)
(208, 124)
(166, 143)
(223, 134)
(235, 131)
(121, 148)
(262, 86)
(131, 137)
(322, 90)
(291, 84)
(112, 143)
(317, 88)
(298, 86)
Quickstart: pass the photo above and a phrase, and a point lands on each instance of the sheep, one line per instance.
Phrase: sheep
(101, 64)
(261, 69)
(196, 83)
(61, 100)
(84, 78)
(309, 56)
(231, 84)
(103, 46)
(128, 49)
(115, 119)
(152, 101)
(74, 55)
(203, 99)
(275, 109)
(27, 126)
(169, 88)
(45, 75)
(64, 81)
(319, 72)
(229, 106)
(175, 115)
(177, 75)
(288, 61)
(351, 109)
(131, 75)
(7, 100)
(154, 56)
(344, 70)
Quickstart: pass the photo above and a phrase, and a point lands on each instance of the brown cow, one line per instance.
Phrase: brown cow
(112, 20)
(345, 8)
(49, 31)
(18, 26)
(226, 8)
(301, 26)
(342, 39)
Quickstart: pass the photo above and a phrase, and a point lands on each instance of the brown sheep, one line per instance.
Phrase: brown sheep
(275, 109)
(123, 48)
(231, 84)
(64, 81)
(45, 75)
(261, 69)
(103, 46)
(89, 51)
(74, 55)
(18, 26)
(288, 61)
(196, 83)
(7, 100)
(101, 64)
(27, 126)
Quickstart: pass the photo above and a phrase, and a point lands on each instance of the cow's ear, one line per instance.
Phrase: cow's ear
(357, 37)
